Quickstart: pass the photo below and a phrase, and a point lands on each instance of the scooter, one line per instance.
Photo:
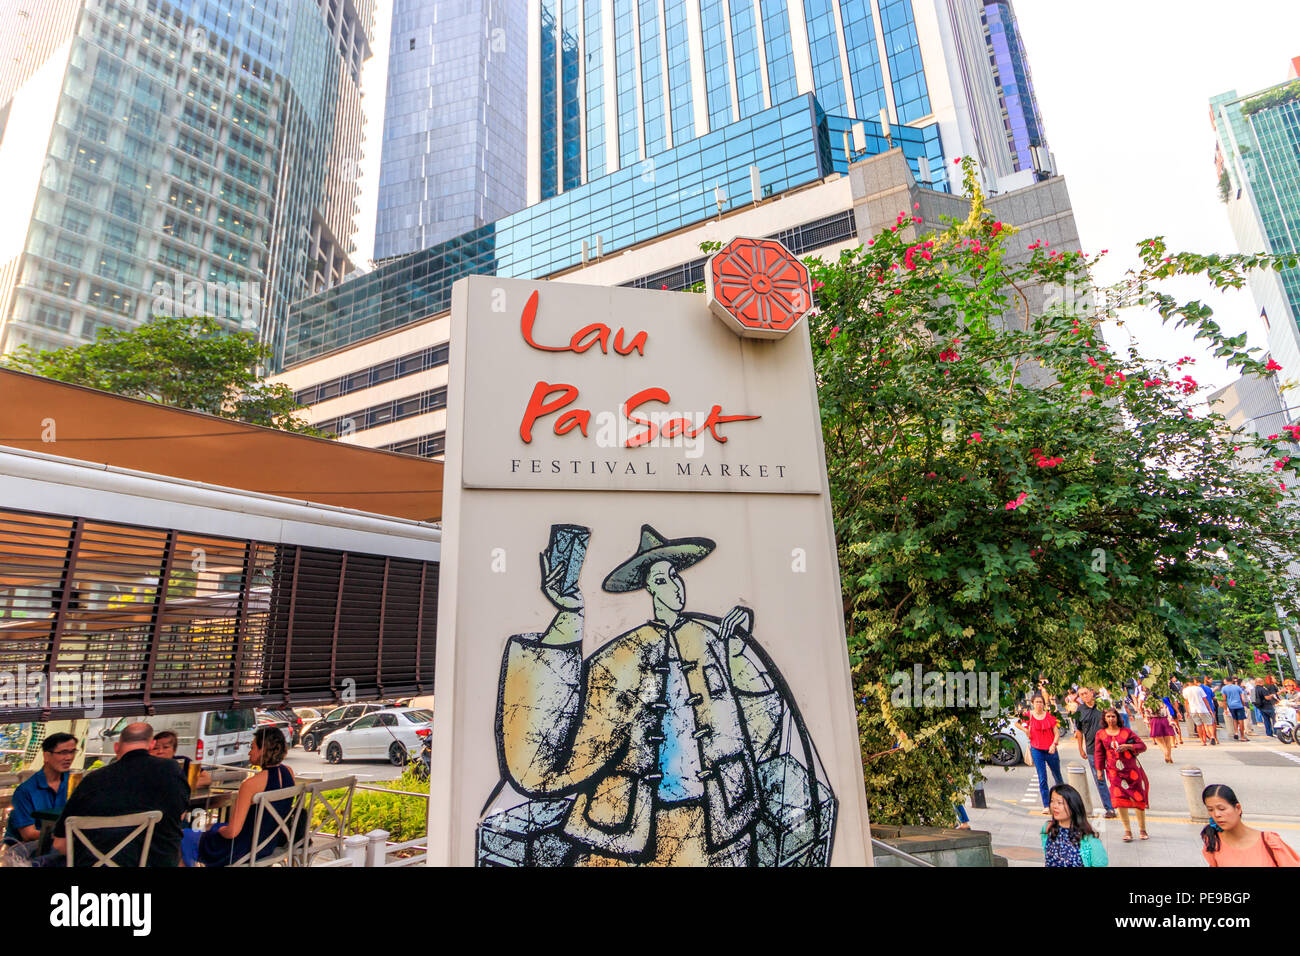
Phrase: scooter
(422, 765)
(1284, 723)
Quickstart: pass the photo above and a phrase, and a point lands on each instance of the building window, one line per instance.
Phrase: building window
(411, 44)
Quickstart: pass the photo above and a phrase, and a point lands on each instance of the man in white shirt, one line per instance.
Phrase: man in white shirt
(1198, 710)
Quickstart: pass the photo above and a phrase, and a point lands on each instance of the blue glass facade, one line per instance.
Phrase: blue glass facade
(780, 54)
(550, 137)
(744, 51)
(652, 80)
(679, 70)
(911, 94)
(595, 83)
(1024, 126)
(864, 58)
(824, 45)
(791, 144)
(717, 78)
(629, 147)
(570, 75)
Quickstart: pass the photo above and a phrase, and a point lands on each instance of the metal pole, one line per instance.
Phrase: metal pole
(1290, 652)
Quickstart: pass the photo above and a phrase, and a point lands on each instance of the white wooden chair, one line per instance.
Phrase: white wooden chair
(281, 836)
(334, 827)
(77, 829)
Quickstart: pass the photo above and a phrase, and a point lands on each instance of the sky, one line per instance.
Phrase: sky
(1124, 89)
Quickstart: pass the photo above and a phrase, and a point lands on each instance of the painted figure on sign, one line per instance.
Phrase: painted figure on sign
(677, 743)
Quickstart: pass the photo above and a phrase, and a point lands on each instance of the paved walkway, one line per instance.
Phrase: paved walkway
(1264, 773)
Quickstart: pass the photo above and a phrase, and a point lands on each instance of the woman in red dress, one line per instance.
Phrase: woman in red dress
(1117, 750)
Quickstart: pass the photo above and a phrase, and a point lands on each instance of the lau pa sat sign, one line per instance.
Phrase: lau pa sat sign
(641, 656)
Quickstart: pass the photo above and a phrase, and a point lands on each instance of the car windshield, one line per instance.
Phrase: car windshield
(419, 716)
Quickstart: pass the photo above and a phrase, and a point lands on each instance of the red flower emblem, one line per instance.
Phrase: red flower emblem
(758, 288)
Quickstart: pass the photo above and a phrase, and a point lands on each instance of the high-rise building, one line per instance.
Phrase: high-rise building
(454, 146)
(615, 83)
(1258, 161)
(187, 157)
(1020, 117)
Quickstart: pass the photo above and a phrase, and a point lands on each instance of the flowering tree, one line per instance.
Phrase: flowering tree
(1010, 496)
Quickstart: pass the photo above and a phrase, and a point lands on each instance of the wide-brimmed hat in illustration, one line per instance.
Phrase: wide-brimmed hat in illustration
(682, 552)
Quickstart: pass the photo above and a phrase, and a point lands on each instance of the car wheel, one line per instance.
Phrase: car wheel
(333, 753)
(1006, 752)
(309, 743)
(397, 755)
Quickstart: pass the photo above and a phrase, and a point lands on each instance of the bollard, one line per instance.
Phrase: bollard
(1193, 784)
(375, 851)
(1076, 775)
(354, 848)
(977, 798)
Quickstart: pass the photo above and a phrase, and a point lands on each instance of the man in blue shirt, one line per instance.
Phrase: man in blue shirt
(47, 789)
(1235, 697)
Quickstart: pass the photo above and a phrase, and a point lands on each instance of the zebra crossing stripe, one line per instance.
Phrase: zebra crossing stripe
(1287, 754)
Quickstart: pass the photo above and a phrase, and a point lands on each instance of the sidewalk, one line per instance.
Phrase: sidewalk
(1264, 773)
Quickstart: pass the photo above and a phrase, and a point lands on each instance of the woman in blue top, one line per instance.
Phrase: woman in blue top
(1068, 838)
(231, 841)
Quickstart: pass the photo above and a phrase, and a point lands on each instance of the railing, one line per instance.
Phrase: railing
(879, 846)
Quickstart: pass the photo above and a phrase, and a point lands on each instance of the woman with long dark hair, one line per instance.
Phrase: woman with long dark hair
(1116, 753)
(233, 840)
(1068, 838)
(1229, 842)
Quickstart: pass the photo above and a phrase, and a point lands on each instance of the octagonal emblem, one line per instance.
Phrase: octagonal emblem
(757, 288)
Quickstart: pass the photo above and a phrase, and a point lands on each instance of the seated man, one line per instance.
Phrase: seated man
(164, 745)
(47, 789)
(136, 781)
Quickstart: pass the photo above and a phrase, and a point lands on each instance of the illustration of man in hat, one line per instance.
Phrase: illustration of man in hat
(676, 743)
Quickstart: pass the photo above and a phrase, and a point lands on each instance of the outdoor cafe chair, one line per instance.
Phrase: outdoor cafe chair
(281, 836)
(143, 822)
(334, 826)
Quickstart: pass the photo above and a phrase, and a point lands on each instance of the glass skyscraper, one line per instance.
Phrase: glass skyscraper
(1024, 125)
(453, 145)
(190, 157)
(1258, 160)
(614, 83)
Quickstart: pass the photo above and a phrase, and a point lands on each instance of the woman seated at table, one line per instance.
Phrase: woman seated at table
(231, 841)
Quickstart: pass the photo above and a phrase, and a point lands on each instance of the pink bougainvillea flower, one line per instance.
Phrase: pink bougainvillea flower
(1281, 462)
(949, 355)
(1017, 501)
(818, 284)
(1086, 391)
(957, 161)
(931, 474)
(1293, 431)
(1273, 366)
(1273, 437)
(834, 332)
(1110, 379)
(1231, 583)
(974, 437)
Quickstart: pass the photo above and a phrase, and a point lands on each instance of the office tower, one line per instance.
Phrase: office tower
(193, 157)
(614, 83)
(1020, 117)
(1259, 181)
(453, 147)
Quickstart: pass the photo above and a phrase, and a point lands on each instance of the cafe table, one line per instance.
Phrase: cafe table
(216, 801)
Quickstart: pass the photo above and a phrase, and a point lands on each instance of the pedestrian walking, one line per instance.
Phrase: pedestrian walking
(1230, 842)
(1068, 838)
(1161, 727)
(1256, 718)
(1044, 734)
(1234, 699)
(1087, 721)
(1208, 691)
(1173, 707)
(1117, 750)
(1198, 711)
(1266, 695)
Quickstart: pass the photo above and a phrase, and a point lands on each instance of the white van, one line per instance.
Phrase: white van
(210, 736)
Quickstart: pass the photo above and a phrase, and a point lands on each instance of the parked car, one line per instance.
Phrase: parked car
(332, 721)
(267, 718)
(210, 736)
(393, 733)
(286, 716)
(1010, 744)
(306, 716)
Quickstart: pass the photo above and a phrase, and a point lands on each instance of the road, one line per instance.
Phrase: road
(1264, 773)
(313, 765)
